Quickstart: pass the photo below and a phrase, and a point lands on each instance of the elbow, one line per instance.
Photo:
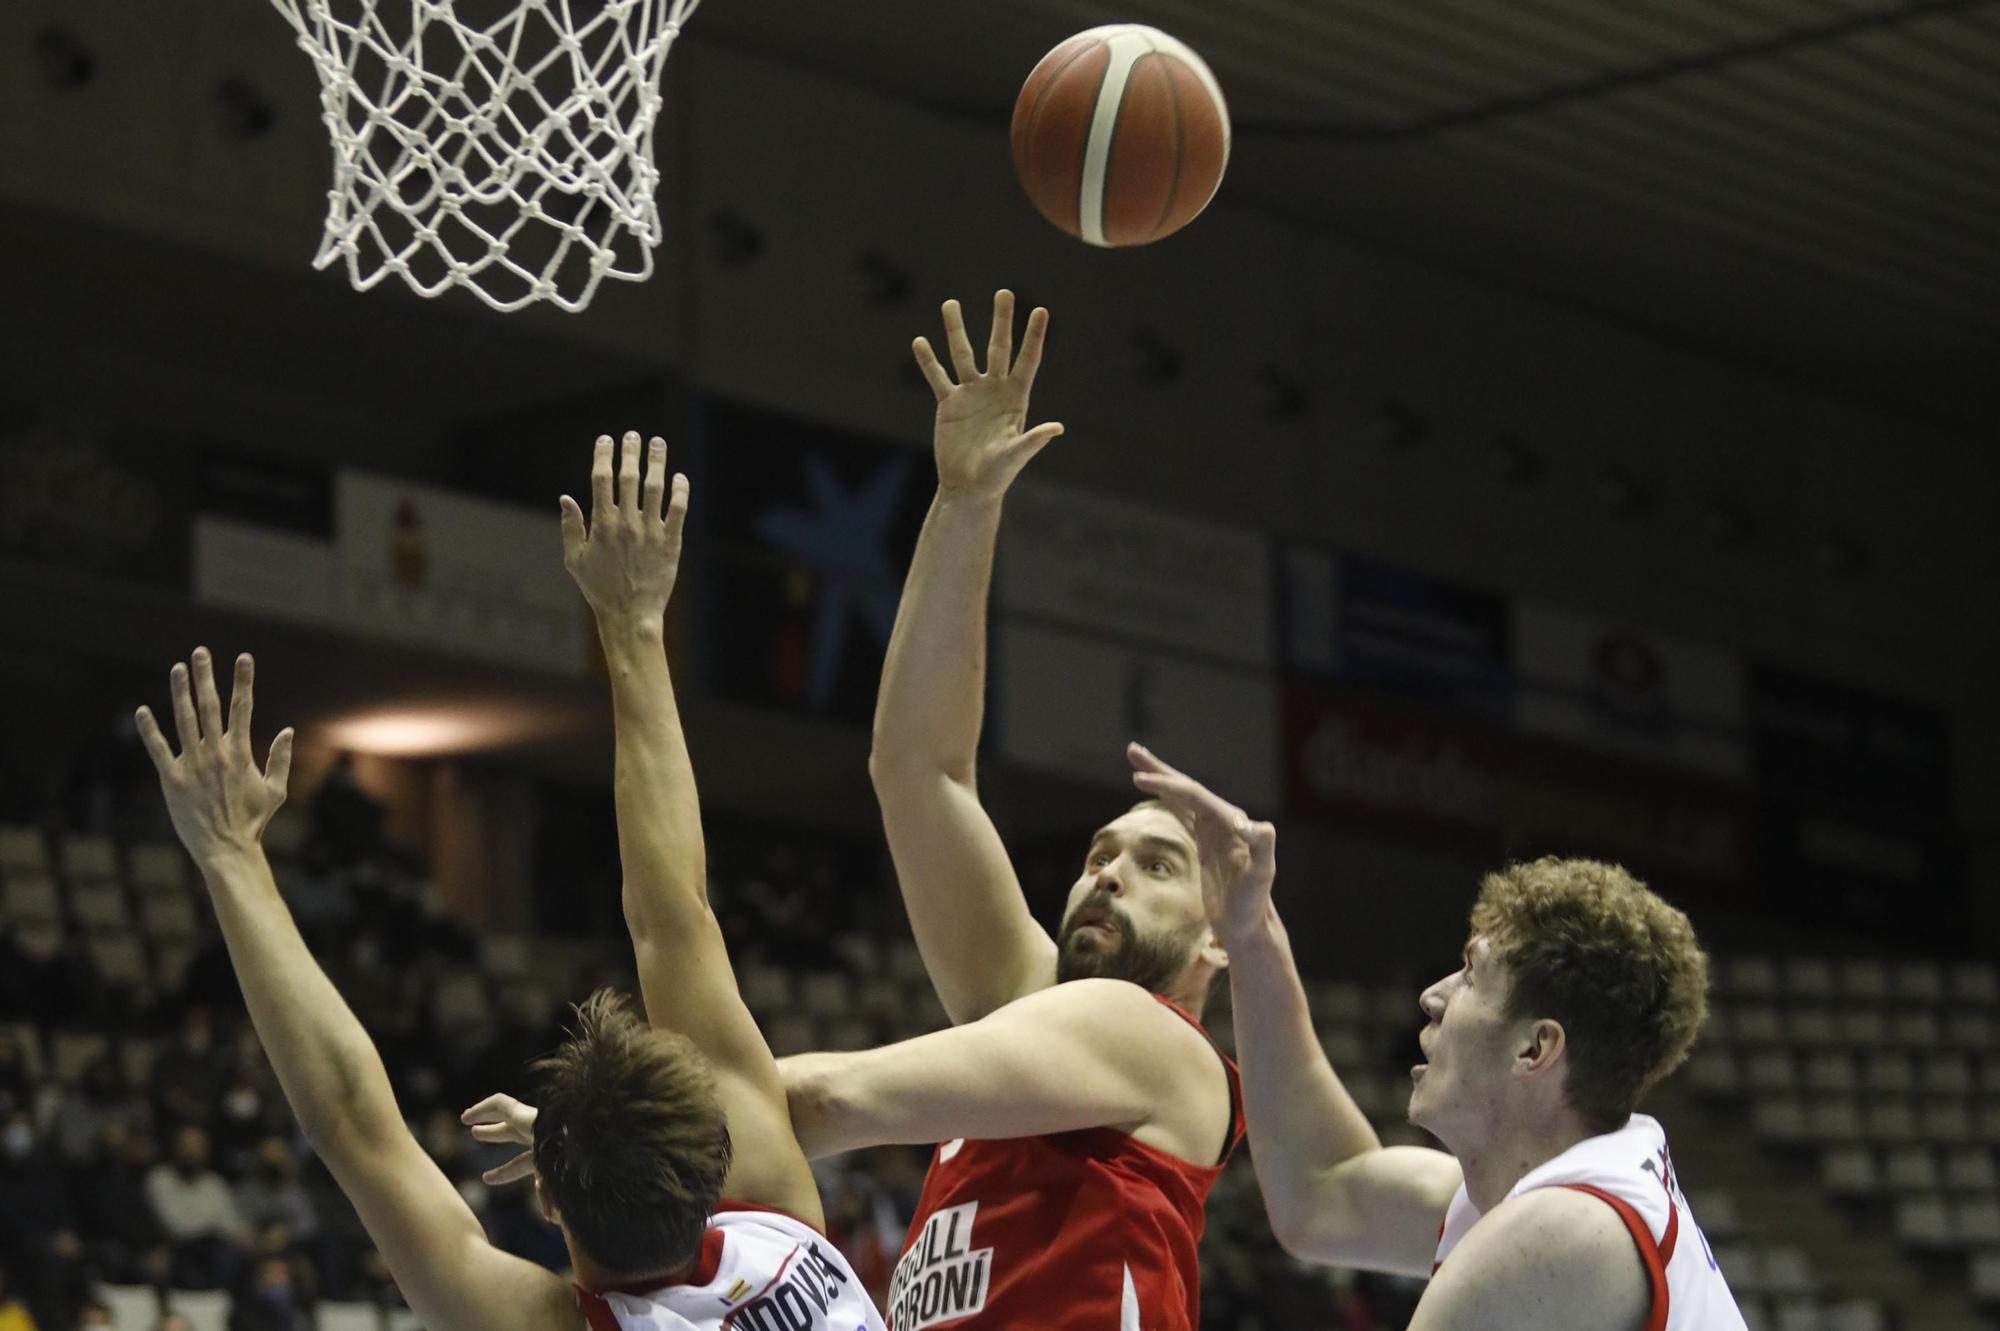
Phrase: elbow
(822, 1106)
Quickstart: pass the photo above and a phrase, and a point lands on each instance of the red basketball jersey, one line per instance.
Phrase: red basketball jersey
(1091, 1229)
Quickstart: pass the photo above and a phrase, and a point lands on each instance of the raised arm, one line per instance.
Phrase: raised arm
(1333, 1192)
(626, 561)
(331, 1074)
(1087, 1054)
(979, 943)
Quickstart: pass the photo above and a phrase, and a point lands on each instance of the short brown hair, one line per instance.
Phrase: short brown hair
(631, 1141)
(1586, 944)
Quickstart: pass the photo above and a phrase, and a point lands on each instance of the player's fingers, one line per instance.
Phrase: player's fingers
(1144, 759)
(494, 1132)
(628, 471)
(156, 744)
(934, 373)
(677, 509)
(489, 1109)
(960, 345)
(184, 722)
(208, 703)
(572, 527)
(240, 691)
(1030, 359)
(520, 1167)
(600, 479)
(278, 764)
(656, 476)
(1035, 440)
(1000, 342)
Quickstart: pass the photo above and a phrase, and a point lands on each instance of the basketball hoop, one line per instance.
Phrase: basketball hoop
(503, 146)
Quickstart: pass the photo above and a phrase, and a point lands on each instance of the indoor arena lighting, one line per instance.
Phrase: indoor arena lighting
(422, 732)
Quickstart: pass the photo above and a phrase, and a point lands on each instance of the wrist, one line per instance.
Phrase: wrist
(631, 628)
(962, 501)
(224, 856)
(1262, 934)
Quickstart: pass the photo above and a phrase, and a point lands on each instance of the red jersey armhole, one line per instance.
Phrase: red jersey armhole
(1229, 1073)
(1649, 1251)
(596, 1311)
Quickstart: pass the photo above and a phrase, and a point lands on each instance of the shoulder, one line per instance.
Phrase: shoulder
(1116, 1013)
(1551, 1257)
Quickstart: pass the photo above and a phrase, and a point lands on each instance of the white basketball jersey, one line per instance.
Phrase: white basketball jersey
(1631, 1170)
(759, 1270)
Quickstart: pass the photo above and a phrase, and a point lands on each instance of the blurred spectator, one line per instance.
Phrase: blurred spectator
(38, 1224)
(16, 1086)
(272, 1193)
(198, 1212)
(171, 1321)
(517, 1226)
(100, 1097)
(243, 1119)
(122, 1236)
(94, 1316)
(14, 1314)
(268, 1298)
(190, 1073)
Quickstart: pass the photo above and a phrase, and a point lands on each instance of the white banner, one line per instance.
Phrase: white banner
(1068, 703)
(268, 570)
(1119, 567)
(427, 566)
(1643, 695)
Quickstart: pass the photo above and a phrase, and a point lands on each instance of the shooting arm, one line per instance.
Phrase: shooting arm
(1091, 1053)
(1334, 1194)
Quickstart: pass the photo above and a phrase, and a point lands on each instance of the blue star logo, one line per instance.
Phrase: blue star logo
(844, 537)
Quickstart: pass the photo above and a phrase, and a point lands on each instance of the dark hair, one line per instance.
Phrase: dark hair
(631, 1141)
(1586, 944)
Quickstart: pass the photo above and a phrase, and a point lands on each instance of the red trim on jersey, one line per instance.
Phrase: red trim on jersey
(1649, 1251)
(1443, 1220)
(770, 1284)
(1230, 1074)
(1673, 1231)
(596, 1311)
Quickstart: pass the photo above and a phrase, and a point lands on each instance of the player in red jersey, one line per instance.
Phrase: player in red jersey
(1559, 1207)
(1083, 1110)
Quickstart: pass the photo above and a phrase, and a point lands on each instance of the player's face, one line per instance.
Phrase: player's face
(1469, 1043)
(1135, 912)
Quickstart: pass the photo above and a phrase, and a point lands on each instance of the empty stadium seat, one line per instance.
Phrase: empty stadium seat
(1923, 1222)
(1910, 1167)
(1946, 1121)
(38, 940)
(1716, 1212)
(1888, 1070)
(99, 904)
(1779, 1119)
(168, 915)
(29, 1040)
(1864, 979)
(1986, 1275)
(1758, 1024)
(765, 988)
(1918, 982)
(1832, 1071)
(1849, 1171)
(1889, 1120)
(1974, 982)
(461, 1000)
(505, 956)
(1345, 1046)
(89, 859)
(1811, 1026)
(1863, 1027)
(1756, 1313)
(133, 1307)
(1339, 1001)
(826, 993)
(30, 897)
(1788, 1271)
(1970, 1169)
(1808, 978)
(1750, 976)
(1833, 1118)
(157, 865)
(1975, 1220)
(70, 1052)
(1771, 1070)
(1714, 1072)
(120, 959)
(1945, 1074)
(21, 850)
(335, 1315)
(1916, 1028)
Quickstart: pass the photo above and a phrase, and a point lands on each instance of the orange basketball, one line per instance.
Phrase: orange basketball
(1120, 135)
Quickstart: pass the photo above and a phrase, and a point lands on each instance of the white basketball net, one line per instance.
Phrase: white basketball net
(503, 146)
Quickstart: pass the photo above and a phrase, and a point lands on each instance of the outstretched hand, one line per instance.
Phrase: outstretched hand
(626, 560)
(502, 1118)
(218, 798)
(1239, 856)
(981, 436)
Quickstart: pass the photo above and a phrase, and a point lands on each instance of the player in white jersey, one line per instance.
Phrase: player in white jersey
(663, 1152)
(1557, 1206)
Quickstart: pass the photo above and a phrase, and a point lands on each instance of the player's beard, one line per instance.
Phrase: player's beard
(1150, 962)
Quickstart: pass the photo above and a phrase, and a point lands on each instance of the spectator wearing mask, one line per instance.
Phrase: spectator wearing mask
(122, 1236)
(199, 1213)
(85, 1109)
(268, 1300)
(271, 1194)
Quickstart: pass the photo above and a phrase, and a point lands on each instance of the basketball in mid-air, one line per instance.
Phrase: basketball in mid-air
(1120, 135)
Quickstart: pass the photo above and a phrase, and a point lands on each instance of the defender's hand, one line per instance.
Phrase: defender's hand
(981, 436)
(1239, 857)
(219, 800)
(502, 1118)
(626, 561)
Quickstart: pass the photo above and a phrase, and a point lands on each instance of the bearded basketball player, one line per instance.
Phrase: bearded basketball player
(1558, 1207)
(664, 1153)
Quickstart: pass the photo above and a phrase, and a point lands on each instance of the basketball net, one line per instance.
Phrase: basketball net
(503, 146)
